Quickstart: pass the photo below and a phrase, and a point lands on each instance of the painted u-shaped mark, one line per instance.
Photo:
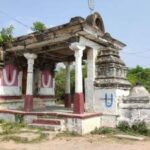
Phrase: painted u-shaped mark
(108, 101)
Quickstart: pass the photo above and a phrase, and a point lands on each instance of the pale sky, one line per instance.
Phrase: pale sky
(126, 20)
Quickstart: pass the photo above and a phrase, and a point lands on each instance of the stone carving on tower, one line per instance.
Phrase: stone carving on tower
(111, 71)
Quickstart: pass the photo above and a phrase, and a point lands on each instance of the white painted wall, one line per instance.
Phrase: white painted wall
(100, 105)
(89, 95)
(47, 91)
(134, 112)
(83, 126)
(89, 81)
(10, 91)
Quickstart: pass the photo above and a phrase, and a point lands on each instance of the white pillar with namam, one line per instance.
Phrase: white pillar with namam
(78, 96)
(28, 103)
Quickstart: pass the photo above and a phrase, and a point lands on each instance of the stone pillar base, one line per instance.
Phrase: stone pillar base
(67, 101)
(78, 103)
(28, 103)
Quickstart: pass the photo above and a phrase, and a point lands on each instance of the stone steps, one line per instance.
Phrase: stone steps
(45, 126)
(48, 121)
(48, 124)
(38, 103)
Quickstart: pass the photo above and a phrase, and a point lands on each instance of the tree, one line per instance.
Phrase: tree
(38, 26)
(139, 75)
(135, 75)
(60, 81)
(6, 34)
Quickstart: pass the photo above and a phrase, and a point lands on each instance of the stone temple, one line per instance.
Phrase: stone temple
(27, 78)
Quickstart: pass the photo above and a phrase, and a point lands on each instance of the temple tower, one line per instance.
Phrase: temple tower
(111, 83)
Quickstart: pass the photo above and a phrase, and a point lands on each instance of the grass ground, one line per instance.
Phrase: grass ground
(17, 136)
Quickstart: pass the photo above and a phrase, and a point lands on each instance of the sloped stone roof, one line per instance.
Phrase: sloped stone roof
(139, 91)
(138, 94)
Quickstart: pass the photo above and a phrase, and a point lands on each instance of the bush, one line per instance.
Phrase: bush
(123, 126)
(140, 127)
(104, 130)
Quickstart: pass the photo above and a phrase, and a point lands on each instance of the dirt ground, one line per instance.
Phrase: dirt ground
(90, 142)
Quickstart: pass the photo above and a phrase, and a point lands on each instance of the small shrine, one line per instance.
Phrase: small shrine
(136, 106)
(27, 76)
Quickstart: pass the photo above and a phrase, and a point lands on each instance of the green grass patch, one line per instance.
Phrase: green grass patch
(13, 131)
(10, 128)
(138, 128)
(18, 139)
(104, 130)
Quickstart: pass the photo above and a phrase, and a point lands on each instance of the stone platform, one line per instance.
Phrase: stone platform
(55, 118)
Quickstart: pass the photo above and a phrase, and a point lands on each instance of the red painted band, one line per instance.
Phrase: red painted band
(78, 103)
(67, 101)
(58, 114)
(28, 103)
(10, 97)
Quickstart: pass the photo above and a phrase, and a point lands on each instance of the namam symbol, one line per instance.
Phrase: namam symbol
(108, 101)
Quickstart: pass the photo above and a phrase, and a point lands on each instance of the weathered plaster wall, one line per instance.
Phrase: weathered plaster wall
(134, 112)
(89, 81)
(109, 120)
(7, 117)
(89, 95)
(83, 126)
(12, 104)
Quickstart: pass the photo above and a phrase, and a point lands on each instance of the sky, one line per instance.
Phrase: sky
(126, 20)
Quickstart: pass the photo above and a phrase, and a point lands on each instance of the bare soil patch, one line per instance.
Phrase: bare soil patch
(89, 142)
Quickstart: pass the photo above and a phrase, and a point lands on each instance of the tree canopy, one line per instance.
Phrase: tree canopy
(38, 26)
(139, 75)
(6, 34)
(135, 75)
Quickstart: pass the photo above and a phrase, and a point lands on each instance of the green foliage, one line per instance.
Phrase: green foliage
(9, 128)
(19, 118)
(104, 130)
(1, 121)
(18, 139)
(139, 75)
(60, 81)
(138, 127)
(6, 34)
(13, 131)
(38, 26)
(124, 126)
(60, 84)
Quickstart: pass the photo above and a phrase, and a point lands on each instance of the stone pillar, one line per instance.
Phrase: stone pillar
(78, 97)
(28, 103)
(91, 58)
(89, 81)
(67, 86)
